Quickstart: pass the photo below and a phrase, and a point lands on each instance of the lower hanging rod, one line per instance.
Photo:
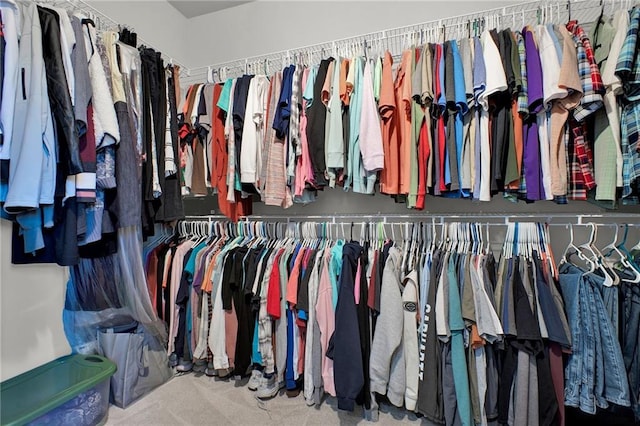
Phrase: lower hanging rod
(630, 219)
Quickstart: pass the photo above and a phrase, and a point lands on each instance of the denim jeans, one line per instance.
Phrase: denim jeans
(616, 383)
(631, 341)
(611, 298)
(595, 373)
(570, 280)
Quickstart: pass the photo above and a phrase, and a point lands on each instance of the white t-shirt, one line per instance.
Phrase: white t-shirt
(496, 82)
(253, 130)
(495, 76)
(545, 156)
(550, 67)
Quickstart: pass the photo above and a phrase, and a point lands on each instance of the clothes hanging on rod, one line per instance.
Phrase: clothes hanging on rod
(89, 134)
(427, 317)
(601, 298)
(521, 113)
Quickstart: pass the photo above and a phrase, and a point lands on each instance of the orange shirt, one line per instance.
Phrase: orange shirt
(219, 168)
(476, 340)
(518, 143)
(207, 285)
(292, 283)
(403, 103)
(345, 87)
(390, 175)
(326, 87)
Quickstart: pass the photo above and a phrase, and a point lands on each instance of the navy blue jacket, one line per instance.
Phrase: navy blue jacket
(344, 346)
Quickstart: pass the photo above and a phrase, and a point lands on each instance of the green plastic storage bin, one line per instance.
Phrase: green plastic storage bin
(70, 390)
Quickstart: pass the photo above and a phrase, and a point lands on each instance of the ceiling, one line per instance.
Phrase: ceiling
(191, 9)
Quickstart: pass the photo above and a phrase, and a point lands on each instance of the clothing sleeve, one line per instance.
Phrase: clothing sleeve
(347, 353)
(410, 341)
(496, 79)
(248, 154)
(388, 335)
(217, 336)
(273, 292)
(370, 130)
(227, 277)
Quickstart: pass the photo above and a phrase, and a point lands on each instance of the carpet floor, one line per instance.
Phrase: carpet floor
(193, 399)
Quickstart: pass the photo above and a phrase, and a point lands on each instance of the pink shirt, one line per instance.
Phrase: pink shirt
(325, 316)
(304, 169)
(357, 284)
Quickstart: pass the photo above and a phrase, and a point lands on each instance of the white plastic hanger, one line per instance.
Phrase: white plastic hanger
(573, 249)
(609, 277)
(612, 248)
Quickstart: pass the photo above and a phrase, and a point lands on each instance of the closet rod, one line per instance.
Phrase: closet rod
(550, 218)
(502, 15)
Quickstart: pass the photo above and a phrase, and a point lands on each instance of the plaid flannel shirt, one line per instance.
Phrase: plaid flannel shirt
(523, 96)
(628, 66)
(580, 162)
(630, 144)
(628, 69)
(592, 86)
(522, 190)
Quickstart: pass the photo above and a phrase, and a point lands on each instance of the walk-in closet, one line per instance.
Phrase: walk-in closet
(320, 212)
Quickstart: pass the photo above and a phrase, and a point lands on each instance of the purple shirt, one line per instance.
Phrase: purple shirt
(534, 73)
(531, 154)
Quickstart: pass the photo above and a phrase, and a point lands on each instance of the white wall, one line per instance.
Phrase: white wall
(31, 302)
(266, 26)
(155, 21)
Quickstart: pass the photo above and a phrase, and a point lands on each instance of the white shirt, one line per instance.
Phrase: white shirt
(550, 67)
(496, 82)
(545, 156)
(253, 130)
(104, 117)
(485, 157)
(495, 76)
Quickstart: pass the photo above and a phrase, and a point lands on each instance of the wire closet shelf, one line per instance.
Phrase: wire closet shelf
(395, 40)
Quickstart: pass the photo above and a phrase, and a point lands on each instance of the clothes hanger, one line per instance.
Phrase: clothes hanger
(537, 244)
(464, 227)
(525, 242)
(572, 249)
(610, 278)
(433, 242)
(612, 248)
(508, 247)
(635, 247)
(453, 237)
(474, 239)
(487, 247)
(464, 231)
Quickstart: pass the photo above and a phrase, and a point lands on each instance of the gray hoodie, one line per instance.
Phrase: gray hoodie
(387, 364)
